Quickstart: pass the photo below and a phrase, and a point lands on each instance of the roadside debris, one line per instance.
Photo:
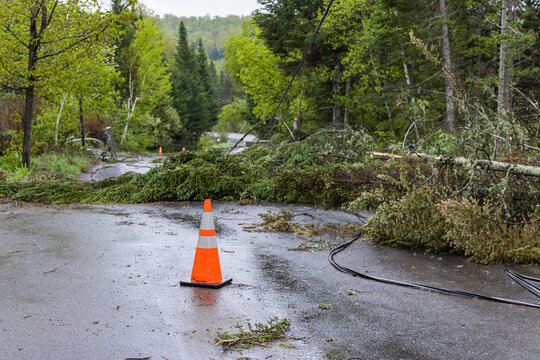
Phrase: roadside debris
(257, 335)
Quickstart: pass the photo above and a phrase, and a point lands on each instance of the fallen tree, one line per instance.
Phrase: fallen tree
(491, 214)
(515, 169)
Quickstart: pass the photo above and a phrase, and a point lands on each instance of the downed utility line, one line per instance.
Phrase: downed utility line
(522, 280)
(296, 72)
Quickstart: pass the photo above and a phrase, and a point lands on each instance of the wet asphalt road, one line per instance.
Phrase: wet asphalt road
(101, 282)
(139, 164)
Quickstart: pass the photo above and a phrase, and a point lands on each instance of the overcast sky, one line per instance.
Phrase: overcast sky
(202, 7)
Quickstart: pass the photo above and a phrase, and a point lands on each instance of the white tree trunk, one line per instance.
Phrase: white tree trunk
(58, 120)
(347, 97)
(413, 100)
(502, 62)
(450, 112)
(130, 104)
(129, 110)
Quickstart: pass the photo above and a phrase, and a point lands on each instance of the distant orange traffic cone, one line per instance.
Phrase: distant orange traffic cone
(160, 151)
(206, 269)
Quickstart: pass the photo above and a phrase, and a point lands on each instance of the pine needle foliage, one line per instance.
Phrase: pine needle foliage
(490, 216)
(259, 334)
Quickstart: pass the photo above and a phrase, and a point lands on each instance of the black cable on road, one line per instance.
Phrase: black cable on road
(522, 280)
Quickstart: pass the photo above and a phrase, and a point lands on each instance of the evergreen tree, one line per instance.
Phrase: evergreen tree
(188, 90)
(214, 76)
(208, 85)
(227, 89)
(117, 6)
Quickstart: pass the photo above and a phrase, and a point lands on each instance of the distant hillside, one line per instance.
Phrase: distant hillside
(214, 31)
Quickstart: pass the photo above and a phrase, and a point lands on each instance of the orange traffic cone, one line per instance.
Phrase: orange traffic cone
(206, 269)
(160, 151)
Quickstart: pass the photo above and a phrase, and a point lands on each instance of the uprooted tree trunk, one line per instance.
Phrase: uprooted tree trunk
(110, 142)
(485, 164)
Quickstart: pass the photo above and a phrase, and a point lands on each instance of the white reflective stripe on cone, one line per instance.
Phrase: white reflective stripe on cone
(207, 221)
(207, 242)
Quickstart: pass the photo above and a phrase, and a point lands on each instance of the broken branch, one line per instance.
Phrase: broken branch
(515, 169)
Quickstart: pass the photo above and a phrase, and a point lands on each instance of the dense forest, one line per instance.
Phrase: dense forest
(426, 112)
(213, 31)
(431, 71)
(387, 65)
(121, 68)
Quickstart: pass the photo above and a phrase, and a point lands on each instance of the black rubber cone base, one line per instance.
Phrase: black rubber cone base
(205, 285)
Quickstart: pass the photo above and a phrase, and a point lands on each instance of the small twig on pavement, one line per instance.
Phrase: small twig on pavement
(53, 270)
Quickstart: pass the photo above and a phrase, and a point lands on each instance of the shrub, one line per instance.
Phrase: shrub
(411, 221)
(370, 200)
(330, 185)
(477, 232)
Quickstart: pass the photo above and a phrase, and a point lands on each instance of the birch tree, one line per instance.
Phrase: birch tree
(88, 81)
(148, 78)
(447, 61)
(504, 95)
(37, 38)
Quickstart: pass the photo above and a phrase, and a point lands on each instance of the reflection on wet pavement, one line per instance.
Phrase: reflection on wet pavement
(103, 282)
(137, 164)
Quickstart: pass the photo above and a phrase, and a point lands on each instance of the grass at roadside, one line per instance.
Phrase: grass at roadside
(47, 166)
